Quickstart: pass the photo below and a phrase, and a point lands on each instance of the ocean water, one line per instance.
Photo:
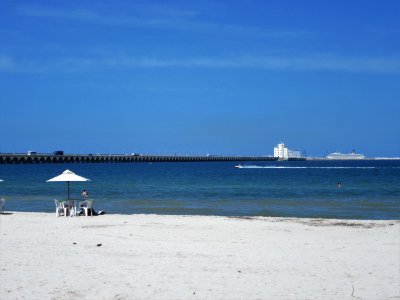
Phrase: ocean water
(370, 189)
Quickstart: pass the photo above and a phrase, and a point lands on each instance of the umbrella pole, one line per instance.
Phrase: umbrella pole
(68, 194)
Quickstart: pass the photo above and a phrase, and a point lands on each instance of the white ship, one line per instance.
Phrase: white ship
(352, 155)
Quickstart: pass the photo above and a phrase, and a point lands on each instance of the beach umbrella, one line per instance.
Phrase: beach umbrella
(67, 176)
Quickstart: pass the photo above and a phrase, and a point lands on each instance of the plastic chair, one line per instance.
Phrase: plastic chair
(86, 205)
(2, 201)
(61, 209)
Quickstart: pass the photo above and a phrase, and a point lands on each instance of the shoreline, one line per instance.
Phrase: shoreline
(244, 217)
(115, 256)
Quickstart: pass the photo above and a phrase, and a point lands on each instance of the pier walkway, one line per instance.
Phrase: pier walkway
(116, 158)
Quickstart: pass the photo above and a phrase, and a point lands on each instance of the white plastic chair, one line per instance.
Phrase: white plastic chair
(61, 209)
(2, 201)
(86, 205)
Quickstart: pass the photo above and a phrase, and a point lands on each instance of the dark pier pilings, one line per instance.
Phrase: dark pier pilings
(111, 158)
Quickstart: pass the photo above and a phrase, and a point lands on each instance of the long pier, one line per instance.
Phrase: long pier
(117, 158)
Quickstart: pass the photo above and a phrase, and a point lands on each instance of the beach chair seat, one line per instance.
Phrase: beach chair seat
(61, 209)
(2, 202)
(86, 206)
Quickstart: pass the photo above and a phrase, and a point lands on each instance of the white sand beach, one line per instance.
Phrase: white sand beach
(196, 257)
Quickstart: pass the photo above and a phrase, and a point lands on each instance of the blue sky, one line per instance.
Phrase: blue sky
(197, 77)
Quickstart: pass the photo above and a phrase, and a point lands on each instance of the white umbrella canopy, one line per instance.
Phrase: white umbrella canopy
(67, 176)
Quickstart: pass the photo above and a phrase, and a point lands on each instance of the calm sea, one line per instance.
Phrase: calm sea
(370, 189)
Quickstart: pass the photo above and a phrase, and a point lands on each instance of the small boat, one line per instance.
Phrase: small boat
(240, 166)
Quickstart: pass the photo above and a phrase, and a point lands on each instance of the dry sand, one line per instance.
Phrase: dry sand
(196, 257)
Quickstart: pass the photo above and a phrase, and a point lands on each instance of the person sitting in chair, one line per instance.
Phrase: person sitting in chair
(85, 193)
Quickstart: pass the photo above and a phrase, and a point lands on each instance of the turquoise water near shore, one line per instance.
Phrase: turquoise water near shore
(370, 189)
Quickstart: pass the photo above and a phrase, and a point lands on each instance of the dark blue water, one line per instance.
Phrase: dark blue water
(370, 189)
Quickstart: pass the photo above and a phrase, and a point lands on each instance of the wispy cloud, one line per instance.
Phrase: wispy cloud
(160, 17)
(86, 16)
(328, 63)
(6, 63)
(309, 63)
